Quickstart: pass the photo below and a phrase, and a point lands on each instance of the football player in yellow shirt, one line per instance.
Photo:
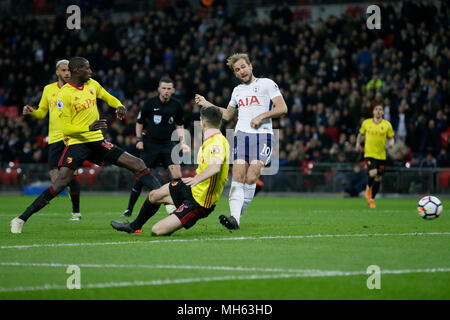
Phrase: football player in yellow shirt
(77, 102)
(195, 197)
(375, 131)
(56, 145)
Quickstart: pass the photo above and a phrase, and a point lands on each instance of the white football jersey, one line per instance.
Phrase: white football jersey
(252, 100)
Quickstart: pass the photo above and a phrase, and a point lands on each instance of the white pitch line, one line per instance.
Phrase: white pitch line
(157, 266)
(63, 215)
(81, 244)
(317, 273)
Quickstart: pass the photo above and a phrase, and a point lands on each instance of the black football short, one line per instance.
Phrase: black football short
(55, 151)
(158, 154)
(376, 164)
(96, 152)
(188, 210)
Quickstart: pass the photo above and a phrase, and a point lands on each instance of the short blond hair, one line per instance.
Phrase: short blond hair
(60, 62)
(235, 57)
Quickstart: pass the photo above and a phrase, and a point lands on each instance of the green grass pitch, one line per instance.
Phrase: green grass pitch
(287, 248)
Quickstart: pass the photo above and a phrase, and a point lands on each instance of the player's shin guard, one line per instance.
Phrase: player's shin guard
(236, 199)
(75, 194)
(44, 198)
(134, 194)
(148, 209)
(249, 193)
(148, 180)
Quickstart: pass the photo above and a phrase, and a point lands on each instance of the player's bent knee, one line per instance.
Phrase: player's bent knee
(238, 175)
(153, 196)
(251, 179)
(141, 164)
(63, 179)
(131, 162)
(60, 184)
(137, 164)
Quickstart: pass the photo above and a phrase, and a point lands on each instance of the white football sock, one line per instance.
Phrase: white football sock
(236, 199)
(249, 193)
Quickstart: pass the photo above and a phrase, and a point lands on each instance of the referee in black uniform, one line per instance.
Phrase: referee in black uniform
(156, 122)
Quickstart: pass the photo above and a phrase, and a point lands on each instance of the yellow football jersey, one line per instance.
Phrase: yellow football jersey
(78, 110)
(208, 192)
(376, 135)
(48, 105)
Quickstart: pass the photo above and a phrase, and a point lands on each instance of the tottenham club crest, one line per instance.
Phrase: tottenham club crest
(157, 119)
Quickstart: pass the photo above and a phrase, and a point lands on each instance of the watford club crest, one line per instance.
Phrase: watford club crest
(69, 160)
(174, 183)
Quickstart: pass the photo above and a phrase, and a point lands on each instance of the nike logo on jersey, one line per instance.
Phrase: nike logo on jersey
(155, 109)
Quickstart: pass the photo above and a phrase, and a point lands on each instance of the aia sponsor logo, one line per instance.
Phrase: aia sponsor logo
(248, 101)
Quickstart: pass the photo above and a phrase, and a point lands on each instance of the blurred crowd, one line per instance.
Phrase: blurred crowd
(331, 72)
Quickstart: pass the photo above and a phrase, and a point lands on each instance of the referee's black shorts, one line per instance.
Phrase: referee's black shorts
(158, 154)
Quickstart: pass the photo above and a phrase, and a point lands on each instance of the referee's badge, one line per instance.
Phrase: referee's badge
(157, 119)
(171, 120)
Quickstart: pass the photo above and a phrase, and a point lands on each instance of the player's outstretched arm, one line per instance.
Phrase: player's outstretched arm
(39, 113)
(42, 110)
(227, 114)
(201, 101)
(112, 101)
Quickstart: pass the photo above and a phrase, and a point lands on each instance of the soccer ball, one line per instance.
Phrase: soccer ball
(429, 207)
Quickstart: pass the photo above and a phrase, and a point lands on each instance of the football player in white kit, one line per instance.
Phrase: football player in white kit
(257, 101)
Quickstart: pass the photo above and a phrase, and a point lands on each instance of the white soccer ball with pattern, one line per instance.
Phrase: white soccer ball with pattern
(429, 207)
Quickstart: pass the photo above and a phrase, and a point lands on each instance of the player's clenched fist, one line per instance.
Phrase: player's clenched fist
(121, 112)
(28, 109)
(200, 100)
